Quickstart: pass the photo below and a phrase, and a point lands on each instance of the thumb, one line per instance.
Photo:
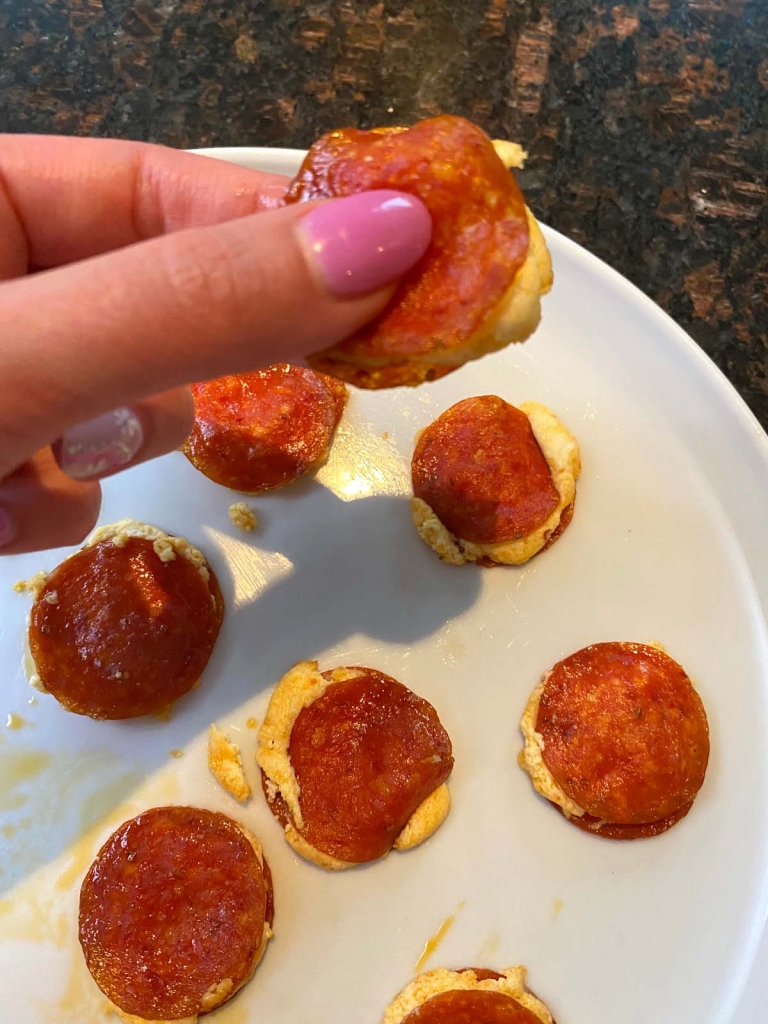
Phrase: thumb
(199, 303)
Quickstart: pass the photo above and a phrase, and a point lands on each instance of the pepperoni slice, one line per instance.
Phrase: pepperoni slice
(174, 904)
(481, 973)
(625, 735)
(473, 1006)
(481, 471)
(479, 241)
(116, 632)
(256, 431)
(366, 754)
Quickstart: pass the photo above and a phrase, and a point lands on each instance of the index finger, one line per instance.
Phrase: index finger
(76, 198)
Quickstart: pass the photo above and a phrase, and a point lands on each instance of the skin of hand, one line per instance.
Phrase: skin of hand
(128, 271)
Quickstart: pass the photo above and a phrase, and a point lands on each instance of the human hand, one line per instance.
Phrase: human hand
(128, 271)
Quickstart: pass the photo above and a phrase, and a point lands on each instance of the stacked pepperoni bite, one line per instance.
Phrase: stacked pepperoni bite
(616, 737)
(126, 625)
(470, 996)
(175, 913)
(353, 763)
(492, 483)
(478, 286)
(257, 431)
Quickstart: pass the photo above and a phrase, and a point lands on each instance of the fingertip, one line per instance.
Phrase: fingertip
(126, 436)
(361, 243)
(46, 508)
(8, 528)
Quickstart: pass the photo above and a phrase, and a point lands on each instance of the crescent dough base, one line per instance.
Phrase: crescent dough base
(301, 686)
(433, 983)
(223, 990)
(513, 319)
(531, 760)
(561, 450)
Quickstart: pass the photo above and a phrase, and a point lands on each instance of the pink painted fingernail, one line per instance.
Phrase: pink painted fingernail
(100, 445)
(363, 242)
(7, 528)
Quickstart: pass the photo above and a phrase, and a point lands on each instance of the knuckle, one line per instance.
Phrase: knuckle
(203, 279)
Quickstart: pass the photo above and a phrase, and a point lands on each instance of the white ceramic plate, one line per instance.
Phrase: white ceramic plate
(670, 519)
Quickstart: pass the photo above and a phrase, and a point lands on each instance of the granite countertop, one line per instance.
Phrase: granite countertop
(646, 122)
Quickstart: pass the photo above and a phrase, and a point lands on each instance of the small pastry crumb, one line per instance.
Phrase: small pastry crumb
(511, 154)
(176, 753)
(226, 764)
(31, 586)
(243, 517)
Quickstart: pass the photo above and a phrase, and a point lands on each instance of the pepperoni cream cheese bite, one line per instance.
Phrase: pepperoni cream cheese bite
(256, 431)
(478, 286)
(175, 914)
(492, 483)
(353, 763)
(617, 739)
(470, 996)
(126, 625)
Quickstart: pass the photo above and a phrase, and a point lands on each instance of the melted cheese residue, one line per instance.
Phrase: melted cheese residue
(433, 944)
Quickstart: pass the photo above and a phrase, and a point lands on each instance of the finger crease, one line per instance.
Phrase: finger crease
(16, 227)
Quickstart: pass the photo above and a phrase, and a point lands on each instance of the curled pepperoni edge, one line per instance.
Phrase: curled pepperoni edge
(623, 833)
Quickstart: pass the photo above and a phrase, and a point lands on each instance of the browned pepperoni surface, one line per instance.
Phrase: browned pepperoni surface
(174, 903)
(366, 754)
(479, 240)
(124, 634)
(471, 1007)
(625, 733)
(255, 431)
(480, 469)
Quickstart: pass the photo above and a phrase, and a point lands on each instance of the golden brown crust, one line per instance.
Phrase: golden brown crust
(531, 761)
(432, 983)
(561, 451)
(226, 764)
(301, 686)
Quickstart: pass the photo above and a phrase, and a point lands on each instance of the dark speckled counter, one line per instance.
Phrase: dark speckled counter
(647, 123)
